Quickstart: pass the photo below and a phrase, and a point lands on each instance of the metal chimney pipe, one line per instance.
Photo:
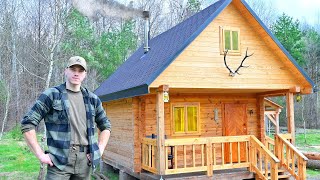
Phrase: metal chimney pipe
(146, 16)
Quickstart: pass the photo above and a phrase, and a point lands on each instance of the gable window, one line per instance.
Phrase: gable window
(230, 40)
(185, 118)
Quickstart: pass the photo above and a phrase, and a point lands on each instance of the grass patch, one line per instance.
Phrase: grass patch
(16, 160)
(313, 172)
(311, 143)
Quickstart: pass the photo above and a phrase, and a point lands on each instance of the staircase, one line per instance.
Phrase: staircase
(282, 174)
(292, 163)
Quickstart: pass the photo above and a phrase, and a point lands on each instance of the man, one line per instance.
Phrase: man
(70, 113)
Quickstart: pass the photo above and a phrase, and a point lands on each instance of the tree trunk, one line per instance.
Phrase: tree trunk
(56, 9)
(6, 111)
(304, 121)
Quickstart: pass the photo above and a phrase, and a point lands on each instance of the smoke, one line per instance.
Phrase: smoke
(92, 8)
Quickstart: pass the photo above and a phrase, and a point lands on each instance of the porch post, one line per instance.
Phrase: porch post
(290, 115)
(277, 115)
(160, 129)
(260, 113)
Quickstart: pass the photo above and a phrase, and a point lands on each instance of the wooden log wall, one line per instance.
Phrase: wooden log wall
(209, 127)
(135, 118)
(121, 147)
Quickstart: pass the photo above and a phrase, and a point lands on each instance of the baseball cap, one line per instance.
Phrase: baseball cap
(77, 60)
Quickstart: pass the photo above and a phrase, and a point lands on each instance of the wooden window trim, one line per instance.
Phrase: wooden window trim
(186, 104)
(222, 29)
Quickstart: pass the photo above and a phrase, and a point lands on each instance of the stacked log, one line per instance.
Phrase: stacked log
(314, 159)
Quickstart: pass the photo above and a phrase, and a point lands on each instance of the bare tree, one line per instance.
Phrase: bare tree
(265, 10)
(6, 111)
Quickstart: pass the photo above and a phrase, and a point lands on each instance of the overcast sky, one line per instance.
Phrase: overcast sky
(304, 10)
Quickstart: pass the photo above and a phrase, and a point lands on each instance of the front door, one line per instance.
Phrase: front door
(235, 123)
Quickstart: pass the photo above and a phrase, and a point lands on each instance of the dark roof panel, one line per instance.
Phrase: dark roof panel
(135, 75)
(142, 69)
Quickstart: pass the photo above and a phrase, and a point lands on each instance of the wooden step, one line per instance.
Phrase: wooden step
(279, 171)
(283, 176)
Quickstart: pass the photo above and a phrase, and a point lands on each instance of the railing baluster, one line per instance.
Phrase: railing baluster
(260, 160)
(247, 151)
(175, 157)
(239, 152)
(230, 152)
(166, 157)
(222, 153)
(193, 156)
(150, 154)
(214, 154)
(291, 154)
(143, 153)
(266, 167)
(202, 155)
(288, 156)
(184, 156)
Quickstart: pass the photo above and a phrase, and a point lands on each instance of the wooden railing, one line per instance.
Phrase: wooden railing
(290, 157)
(263, 162)
(212, 153)
(269, 143)
(149, 155)
(207, 154)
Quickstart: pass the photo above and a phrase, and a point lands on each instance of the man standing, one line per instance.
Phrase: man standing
(70, 113)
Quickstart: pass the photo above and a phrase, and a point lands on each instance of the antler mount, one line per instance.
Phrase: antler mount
(233, 73)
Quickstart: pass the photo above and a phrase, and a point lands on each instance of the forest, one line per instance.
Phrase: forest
(38, 36)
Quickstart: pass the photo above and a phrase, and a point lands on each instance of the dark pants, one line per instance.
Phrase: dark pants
(77, 167)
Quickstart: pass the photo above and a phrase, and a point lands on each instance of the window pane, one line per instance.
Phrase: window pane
(227, 39)
(179, 119)
(235, 40)
(192, 118)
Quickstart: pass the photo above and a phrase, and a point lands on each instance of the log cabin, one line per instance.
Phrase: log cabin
(191, 103)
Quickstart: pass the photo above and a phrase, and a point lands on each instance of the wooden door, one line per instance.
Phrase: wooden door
(235, 123)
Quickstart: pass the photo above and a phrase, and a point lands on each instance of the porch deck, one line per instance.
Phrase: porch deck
(230, 174)
(210, 154)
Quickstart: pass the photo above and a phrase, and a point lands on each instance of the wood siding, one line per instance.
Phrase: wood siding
(120, 149)
(201, 65)
(208, 126)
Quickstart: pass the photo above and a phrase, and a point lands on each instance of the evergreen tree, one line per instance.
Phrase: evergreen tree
(193, 6)
(288, 33)
(114, 47)
(103, 52)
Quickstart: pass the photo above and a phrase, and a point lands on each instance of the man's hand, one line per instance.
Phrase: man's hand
(101, 149)
(103, 140)
(31, 139)
(45, 159)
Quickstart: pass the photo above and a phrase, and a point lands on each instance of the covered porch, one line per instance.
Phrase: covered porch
(209, 154)
(266, 158)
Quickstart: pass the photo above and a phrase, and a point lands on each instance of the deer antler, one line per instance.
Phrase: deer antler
(241, 65)
(225, 63)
